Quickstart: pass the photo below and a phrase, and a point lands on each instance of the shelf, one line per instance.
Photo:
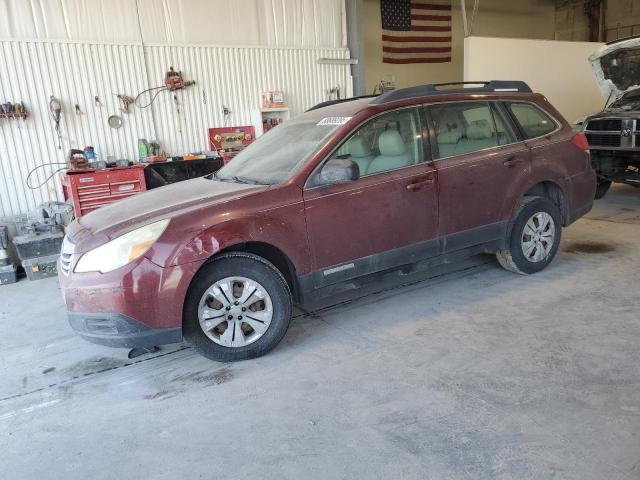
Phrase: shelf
(259, 115)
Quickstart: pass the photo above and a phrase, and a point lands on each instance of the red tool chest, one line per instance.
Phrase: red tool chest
(90, 189)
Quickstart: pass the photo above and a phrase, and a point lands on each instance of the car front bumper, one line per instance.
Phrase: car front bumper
(117, 330)
(138, 305)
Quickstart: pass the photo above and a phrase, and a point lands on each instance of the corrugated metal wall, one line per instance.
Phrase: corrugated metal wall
(235, 78)
(76, 72)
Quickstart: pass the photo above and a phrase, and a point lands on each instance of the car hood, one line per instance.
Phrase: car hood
(617, 67)
(613, 112)
(170, 201)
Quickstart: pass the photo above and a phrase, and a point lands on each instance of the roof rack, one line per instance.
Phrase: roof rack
(341, 100)
(436, 89)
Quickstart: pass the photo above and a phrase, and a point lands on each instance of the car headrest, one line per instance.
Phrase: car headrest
(448, 128)
(390, 143)
(449, 137)
(479, 130)
(358, 147)
(447, 121)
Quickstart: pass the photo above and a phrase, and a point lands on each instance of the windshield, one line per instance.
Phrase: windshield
(279, 153)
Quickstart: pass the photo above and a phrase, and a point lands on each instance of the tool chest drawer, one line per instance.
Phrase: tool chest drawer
(91, 189)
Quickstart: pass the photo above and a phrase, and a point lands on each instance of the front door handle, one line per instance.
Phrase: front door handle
(417, 185)
(512, 161)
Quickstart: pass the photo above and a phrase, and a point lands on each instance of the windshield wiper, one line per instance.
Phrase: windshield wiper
(238, 179)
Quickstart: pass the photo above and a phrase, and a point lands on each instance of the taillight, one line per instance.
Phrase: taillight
(580, 141)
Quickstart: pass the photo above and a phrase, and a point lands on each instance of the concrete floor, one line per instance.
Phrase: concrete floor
(479, 374)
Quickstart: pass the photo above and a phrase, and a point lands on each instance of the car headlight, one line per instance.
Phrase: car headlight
(122, 250)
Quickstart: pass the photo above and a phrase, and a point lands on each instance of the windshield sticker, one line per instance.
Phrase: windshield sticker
(334, 120)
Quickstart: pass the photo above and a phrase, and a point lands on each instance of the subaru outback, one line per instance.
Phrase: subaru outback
(345, 195)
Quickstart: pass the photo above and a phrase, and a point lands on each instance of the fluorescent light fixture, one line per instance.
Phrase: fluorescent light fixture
(338, 61)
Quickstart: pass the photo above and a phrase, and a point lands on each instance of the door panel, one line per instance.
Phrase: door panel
(479, 167)
(475, 188)
(387, 208)
(371, 215)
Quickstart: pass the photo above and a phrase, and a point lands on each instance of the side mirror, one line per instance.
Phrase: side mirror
(339, 170)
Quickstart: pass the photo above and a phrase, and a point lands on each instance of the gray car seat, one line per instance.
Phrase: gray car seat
(479, 136)
(360, 153)
(448, 133)
(393, 153)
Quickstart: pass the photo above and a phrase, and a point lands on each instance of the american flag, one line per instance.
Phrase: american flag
(417, 31)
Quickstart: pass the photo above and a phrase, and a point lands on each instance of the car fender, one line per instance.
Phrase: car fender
(512, 207)
(289, 236)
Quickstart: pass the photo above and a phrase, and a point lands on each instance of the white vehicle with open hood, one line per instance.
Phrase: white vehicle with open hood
(614, 133)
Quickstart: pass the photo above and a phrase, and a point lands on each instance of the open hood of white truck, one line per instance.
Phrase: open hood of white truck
(617, 67)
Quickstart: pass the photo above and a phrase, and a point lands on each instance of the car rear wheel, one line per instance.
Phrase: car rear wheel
(602, 187)
(534, 238)
(238, 307)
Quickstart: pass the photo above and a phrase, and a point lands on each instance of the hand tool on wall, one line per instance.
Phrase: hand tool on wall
(96, 101)
(172, 81)
(79, 110)
(13, 110)
(177, 104)
(55, 107)
(125, 101)
(334, 92)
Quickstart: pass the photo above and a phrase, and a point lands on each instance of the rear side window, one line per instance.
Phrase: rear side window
(533, 121)
(466, 127)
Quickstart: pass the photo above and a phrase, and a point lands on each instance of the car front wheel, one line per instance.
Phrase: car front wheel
(534, 238)
(238, 307)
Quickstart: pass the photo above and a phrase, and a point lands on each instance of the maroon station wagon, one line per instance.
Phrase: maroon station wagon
(352, 193)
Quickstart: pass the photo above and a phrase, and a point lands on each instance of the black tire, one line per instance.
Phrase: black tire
(513, 257)
(243, 265)
(602, 187)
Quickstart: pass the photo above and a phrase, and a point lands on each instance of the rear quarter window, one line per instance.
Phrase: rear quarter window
(533, 121)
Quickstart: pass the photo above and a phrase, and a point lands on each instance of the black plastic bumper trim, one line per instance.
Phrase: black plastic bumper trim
(117, 330)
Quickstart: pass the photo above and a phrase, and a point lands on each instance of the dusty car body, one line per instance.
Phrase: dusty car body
(386, 187)
(614, 133)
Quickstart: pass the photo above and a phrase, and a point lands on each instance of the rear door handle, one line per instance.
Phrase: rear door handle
(513, 161)
(417, 185)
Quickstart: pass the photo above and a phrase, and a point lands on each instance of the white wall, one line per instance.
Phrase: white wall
(559, 70)
(76, 70)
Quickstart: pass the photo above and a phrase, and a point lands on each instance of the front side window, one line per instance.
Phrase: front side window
(466, 127)
(388, 142)
(533, 121)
